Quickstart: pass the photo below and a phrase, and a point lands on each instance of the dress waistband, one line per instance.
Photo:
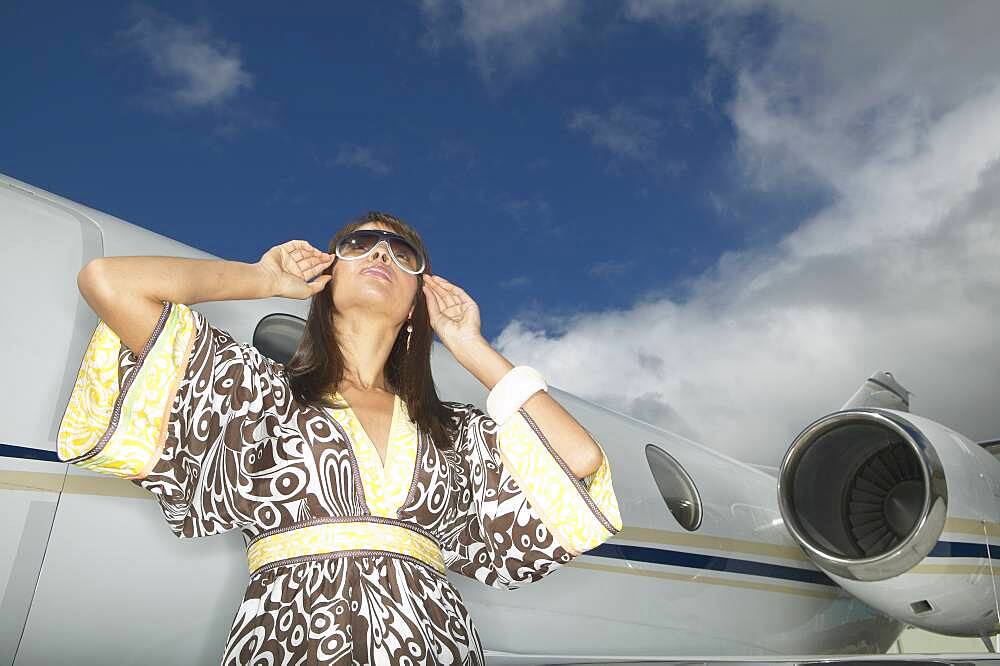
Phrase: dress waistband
(357, 537)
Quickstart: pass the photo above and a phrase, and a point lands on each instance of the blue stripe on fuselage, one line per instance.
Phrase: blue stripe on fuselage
(24, 452)
(679, 558)
(958, 549)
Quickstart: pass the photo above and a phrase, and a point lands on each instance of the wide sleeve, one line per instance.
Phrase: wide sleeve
(523, 513)
(180, 420)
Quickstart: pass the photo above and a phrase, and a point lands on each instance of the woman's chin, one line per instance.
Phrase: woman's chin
(372, 299)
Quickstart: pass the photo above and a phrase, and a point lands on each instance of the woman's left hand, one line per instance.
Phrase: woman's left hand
(453, 314)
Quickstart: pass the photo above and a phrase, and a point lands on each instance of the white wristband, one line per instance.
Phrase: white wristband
(512, 391)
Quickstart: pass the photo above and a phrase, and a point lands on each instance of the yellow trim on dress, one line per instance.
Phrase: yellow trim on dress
(133, 424)
(386, 487)
(553, 492)
(328, 538)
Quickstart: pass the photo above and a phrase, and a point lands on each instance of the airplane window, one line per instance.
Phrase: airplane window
(278, 335)
(676, 487)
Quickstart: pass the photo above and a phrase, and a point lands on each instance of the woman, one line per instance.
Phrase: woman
(354, 486)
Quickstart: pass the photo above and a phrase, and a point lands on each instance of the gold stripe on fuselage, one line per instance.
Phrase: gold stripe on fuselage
(980, 569)
(725, 544)
(76, 484)
(45, 482)
(972, 526)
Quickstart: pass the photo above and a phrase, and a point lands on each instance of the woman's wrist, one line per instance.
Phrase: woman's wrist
(230, 280)
(512, 391)
(265, 280)
(482, 361)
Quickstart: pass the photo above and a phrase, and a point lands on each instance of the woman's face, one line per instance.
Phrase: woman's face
(374, 285)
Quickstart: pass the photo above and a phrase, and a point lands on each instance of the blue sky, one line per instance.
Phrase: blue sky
(575, 184)
(717, 217)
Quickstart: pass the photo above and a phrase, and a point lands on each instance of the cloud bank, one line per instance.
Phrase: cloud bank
(895, 111)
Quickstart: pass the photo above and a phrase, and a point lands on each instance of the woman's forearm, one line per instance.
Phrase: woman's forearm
(184, 280)
(126, 292)
(573, 443)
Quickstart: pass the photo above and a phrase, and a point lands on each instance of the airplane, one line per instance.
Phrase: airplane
(876, 519)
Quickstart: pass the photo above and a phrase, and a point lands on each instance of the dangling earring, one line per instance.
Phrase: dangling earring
(409, 333)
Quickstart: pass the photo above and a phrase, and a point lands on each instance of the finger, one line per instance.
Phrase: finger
(320, 284)
(434, 296)
(438, 287)
(434, 306)
(300, 249)
(433, 311)
(313, 271)
(316, 259)
(451, 289)
(315, 252)
(289, 264)
(307, 251)
(445, 300)
(305, 258)
(429, 299)
(443, 282)
(294, 245)
(450, 297)
(315, 266)
(462, 293)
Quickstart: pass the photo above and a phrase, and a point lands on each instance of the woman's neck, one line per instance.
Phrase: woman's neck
(365, 344)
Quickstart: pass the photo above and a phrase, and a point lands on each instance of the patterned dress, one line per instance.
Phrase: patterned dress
(347, 557)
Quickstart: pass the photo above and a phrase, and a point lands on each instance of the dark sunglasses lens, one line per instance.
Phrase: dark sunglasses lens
(406, 254)
(356, 244)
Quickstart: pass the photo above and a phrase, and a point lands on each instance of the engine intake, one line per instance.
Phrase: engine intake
(864, 493)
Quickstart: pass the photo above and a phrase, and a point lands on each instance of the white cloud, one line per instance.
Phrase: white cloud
(895, 111)
(532, 209)
(610, 269)
(506, 37)
(516, 282)
(361, 157)
(628, 135)
(198, 69)
(622, 131)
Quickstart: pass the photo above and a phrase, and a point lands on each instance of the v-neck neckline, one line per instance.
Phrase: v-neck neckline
(383, 464)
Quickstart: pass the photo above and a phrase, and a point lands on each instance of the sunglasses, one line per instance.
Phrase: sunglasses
(359, 244)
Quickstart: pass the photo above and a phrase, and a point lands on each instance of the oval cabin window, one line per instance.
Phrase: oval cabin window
(676, 487)
(278, 335)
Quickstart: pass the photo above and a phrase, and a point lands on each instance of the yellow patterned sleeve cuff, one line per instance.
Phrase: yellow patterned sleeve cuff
(581, 514)
(115, 421)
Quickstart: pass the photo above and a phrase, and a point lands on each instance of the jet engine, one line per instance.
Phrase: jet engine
(901, 512)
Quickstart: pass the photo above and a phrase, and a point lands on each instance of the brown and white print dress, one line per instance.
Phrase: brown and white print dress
(347, 557)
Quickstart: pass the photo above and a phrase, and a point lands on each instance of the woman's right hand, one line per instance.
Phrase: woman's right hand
(290, 267)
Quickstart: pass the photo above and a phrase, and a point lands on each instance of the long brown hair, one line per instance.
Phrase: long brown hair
(317, 367)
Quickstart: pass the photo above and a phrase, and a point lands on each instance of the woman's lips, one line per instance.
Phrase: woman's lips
(381, 272)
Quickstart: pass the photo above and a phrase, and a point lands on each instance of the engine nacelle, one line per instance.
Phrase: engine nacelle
(902, 513)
